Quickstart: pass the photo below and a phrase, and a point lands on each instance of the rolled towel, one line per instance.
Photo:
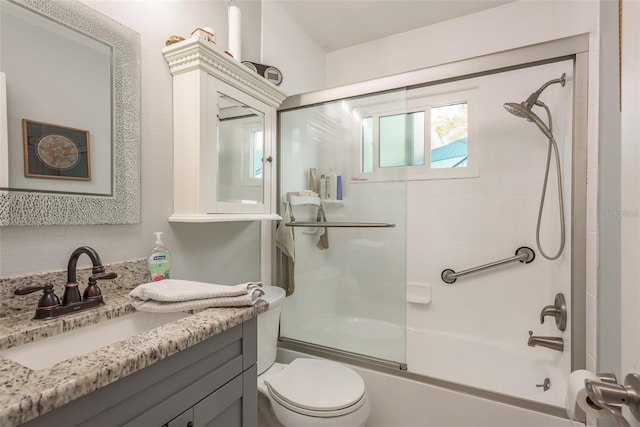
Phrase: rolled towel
(171, 295)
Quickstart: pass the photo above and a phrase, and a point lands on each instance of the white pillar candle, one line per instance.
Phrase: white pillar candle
(235, 26)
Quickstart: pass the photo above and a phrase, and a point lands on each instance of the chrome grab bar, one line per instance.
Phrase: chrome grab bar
(523, 254)
(341, 224)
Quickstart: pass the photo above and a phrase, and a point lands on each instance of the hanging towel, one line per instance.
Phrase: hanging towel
(322, 238)
(286, 243)
(182, 295)
(284, 235)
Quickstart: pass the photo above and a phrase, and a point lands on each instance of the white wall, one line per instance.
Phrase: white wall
(516, 24)
(630, 292)
(224, 252)
(286, 46)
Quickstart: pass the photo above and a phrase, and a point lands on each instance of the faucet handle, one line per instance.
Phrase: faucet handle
(30, 289)
(48, 299)
(93, 279)
(93, 291)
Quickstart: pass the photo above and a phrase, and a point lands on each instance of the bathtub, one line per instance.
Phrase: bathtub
(500, 368)
(397, 401)
(494, 384)
(466, 360)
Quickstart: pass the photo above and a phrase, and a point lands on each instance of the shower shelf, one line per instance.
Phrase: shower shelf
(297, 200)
(331, 202)
(301, 200)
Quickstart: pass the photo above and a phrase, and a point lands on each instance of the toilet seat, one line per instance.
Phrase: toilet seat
(317, 388)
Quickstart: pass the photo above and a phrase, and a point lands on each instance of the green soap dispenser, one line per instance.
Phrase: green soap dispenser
(159, 262)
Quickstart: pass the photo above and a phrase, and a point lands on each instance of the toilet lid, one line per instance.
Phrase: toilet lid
(317, 385)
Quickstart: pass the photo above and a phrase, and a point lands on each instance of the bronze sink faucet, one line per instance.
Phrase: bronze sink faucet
(50, 306)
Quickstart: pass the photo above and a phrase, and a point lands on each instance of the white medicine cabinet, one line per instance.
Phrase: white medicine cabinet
(224, 136)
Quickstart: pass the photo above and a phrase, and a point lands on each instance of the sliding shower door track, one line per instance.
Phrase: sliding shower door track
(332, 353)
(400, 370)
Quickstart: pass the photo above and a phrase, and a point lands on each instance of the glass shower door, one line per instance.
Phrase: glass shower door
(349, 277)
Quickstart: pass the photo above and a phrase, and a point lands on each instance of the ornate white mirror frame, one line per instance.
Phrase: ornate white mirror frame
(123, 205)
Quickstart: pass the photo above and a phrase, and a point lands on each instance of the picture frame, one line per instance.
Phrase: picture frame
(55, 152)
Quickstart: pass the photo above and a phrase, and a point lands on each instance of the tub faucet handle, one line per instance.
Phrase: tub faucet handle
(557, 310)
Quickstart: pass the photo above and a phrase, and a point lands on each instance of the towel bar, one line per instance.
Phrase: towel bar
(523, 254)
(341, 224)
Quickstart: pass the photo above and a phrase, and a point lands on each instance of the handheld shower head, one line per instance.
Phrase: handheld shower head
(524, 110)
(521, 110)
(518, 110)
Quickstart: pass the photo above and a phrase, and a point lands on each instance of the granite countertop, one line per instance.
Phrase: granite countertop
(26, 394)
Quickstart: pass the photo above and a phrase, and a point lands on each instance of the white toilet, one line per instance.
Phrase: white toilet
(306, 392)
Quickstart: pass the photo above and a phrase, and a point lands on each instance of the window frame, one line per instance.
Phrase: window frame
(417, 100)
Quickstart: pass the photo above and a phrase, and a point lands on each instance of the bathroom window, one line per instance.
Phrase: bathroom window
(431, 137)
(449, 136)
(402, 140)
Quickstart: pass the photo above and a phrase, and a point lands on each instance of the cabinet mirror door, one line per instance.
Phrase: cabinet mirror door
(241, 148)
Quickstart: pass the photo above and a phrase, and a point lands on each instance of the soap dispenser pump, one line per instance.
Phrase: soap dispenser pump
(159, 262)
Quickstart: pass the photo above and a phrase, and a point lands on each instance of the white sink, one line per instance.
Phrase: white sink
(48, 351)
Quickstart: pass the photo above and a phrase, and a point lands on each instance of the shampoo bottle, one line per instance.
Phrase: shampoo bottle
(159, 261)
(331, 185)
(323, 187)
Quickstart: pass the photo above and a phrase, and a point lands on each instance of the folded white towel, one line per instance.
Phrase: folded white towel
(182, 295)
(173, 290)
(245, 300)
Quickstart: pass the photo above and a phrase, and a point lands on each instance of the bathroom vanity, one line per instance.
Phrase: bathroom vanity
(210, 383)
(200, 369)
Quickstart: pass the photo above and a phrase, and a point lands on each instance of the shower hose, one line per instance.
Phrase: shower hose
(554, 145)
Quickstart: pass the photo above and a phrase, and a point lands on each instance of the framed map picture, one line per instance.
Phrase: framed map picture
(53, 151)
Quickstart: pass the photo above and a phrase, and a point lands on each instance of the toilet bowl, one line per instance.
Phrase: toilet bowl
(306, 392)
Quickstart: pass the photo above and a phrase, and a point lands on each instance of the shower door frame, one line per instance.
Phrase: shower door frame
(575, 48)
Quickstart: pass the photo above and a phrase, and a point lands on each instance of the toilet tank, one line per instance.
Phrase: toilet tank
(268, 323)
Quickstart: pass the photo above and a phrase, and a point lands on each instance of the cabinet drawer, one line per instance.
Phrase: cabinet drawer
(223, 404)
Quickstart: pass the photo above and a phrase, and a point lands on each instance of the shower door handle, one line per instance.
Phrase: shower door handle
(341, 224)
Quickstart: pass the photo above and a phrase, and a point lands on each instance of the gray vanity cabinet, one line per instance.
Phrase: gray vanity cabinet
(212, 383)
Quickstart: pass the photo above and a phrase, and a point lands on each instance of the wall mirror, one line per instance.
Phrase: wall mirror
(69, 153)
(240, 152)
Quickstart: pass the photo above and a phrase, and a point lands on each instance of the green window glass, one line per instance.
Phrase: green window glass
(402, 140)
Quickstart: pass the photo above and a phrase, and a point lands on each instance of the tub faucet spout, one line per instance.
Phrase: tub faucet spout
(554, 343)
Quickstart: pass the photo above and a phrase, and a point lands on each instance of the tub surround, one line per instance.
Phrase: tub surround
(26, 394)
